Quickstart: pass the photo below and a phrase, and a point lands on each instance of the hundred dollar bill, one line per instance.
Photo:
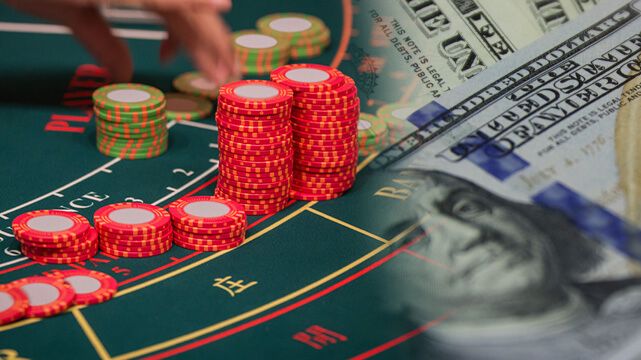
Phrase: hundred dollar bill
(556, 124)
(549, 14)
(526, 182)
(439, 43)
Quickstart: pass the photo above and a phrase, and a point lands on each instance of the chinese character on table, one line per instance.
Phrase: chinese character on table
(232, 287)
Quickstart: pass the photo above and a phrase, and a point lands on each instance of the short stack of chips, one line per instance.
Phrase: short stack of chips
(42, 296)
(395, 116)
(208, 223)
(307, 34)
(55, 237)
(324, 119)
(194, 83)
(46, 296)
(372, 134)
(260, 54)
(255, 143)
(130, 121)
(187, 107)
(133, 230)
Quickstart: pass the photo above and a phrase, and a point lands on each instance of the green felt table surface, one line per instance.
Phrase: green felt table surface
(321, 269)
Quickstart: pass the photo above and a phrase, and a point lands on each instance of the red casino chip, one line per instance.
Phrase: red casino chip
(221, 122)
(260, 166)
(91, 287)
(50, 226)
(265, 210)
(322, 185)
(247, 160)
(242, 194)
(211, 230)
(160, 233)
(50, 245)
(345, 137)
(47, 296)
(319, 191)
(308, 77)
(198, 247)
(206, 211)
(325, 143)
(256, 134)
(325, 178)
(328, 170)
(324, 124)
(255, 94)
(13, 304)
(255, 186)
(297, 144)
(318, 117)
(265, 176)
(328, 110)
(266, 191)
(253, 112)
(255, 147)
(258, 121)
(62, 260)
(284, 138)
(159, 245)
(336, 164)
(345, 89)
(255, 179)
(311, 197)
(216, 239)
(340, 103)
(131, 218)
(305, 154)
(29, 252)
(247, 154)
(349, 129)
(301, 99)
(253, 118)
(133, 254)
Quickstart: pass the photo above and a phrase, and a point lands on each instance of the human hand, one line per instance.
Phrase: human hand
(195, 25)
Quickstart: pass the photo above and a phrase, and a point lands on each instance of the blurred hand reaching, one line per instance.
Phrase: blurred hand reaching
(195, 25)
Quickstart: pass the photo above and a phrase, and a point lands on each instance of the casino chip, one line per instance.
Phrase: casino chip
(395, 116)
(194, 83)
(255, 142)
(372, 134)
(91, 287)
(133, 230)
(308, 35)
(13, 304)
(130, 121)
(187, 107)
(47, 296)
(55, 237)
(208, 223)
(325, 118)
(260, 54)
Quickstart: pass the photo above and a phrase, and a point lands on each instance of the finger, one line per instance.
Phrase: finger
(168, 49)
(155, 5)
(206, 39)
(93, 32)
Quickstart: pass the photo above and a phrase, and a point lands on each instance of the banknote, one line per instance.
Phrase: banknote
(549, 14)
(527, 183)
(438, 44)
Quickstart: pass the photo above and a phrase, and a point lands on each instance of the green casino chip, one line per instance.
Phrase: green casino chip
(395, 116)
(187, 107)
(292, 26)
(128, 97)
(371, 129)
(194, 83)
